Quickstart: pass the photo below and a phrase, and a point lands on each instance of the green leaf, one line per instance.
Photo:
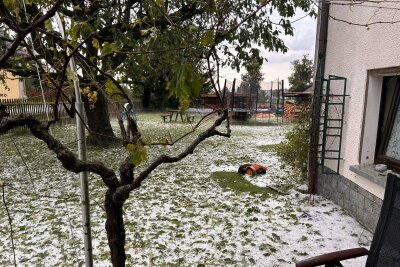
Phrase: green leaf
(71, 75)
(48, 25)
(130, 147)
(10, 4)
(96, 44)
(138, 153)
(111, 88)
(109, 49)
(74, 32)
(185, 84)
(160, 2)
(138, 22)
(208, 38)
(164, 141)
(145, 32)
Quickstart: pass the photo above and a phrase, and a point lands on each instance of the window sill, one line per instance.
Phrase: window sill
(368, 172)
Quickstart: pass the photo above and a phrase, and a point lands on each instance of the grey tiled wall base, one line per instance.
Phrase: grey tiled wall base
(358, 202)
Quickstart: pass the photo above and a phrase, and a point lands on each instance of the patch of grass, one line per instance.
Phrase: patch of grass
(303, 238)
(244, 158)
(269, 148)
(21, 131)
(236, 182)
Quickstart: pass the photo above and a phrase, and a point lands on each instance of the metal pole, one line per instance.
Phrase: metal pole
(250, 104)
(270, 102)
(277, 104)
(80, 132)
(283, 100)
(233, 98)
(223, 95)
(256, 103)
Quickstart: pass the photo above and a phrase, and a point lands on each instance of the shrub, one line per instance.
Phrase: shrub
(294, 150)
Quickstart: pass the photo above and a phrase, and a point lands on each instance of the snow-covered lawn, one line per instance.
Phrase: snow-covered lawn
(181, 216)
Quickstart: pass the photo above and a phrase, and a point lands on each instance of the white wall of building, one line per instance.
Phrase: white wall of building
(351, 52)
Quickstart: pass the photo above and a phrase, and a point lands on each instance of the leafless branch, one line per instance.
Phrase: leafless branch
(9, 222)
(249, 16)
(210, 75)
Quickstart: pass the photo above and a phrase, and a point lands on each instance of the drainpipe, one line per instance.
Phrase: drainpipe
(319, 64)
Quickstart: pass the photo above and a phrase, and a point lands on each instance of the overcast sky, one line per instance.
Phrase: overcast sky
(278, 65)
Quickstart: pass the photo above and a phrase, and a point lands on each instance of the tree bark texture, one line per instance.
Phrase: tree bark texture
(98, 119)
(115, 230)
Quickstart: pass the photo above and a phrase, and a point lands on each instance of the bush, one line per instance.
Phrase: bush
(294, 150)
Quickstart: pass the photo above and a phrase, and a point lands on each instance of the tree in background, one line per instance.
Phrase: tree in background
(301, 77)
(251, 80)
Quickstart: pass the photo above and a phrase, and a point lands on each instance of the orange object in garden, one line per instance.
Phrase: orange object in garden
(252, 169)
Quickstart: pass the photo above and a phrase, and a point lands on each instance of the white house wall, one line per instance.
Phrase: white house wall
(351, 52)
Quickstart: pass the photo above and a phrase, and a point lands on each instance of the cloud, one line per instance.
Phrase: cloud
(278, 64)
(304, 40)
(274, 57)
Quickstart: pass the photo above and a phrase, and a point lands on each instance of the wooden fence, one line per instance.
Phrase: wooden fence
(36, 108)
(39, 110)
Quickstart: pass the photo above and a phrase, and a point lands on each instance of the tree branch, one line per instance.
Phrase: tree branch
(220, 35)
(68, 159)
(122, 192)
(10, 223)
(22, 32)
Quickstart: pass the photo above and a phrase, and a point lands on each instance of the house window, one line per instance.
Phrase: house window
(388, 136)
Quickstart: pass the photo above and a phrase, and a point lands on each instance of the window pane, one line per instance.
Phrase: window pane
(393, 147)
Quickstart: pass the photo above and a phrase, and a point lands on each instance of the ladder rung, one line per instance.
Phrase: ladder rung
(331, 158)
(340, 104)
(331, 127)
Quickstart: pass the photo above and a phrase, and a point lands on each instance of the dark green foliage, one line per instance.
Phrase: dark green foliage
(294, 150)
(302, 74)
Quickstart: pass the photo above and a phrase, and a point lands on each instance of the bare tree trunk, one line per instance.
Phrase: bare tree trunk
(115, 230)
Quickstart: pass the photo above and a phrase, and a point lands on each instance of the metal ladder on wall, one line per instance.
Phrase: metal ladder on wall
(331, 122)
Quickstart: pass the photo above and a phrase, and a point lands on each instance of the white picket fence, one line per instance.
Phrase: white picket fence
(38, 109)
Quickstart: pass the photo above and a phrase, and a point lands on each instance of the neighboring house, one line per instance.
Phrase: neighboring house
(12, 88)
(369, 58)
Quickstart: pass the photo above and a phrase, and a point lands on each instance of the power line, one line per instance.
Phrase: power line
(367, 24)
(367, 6)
